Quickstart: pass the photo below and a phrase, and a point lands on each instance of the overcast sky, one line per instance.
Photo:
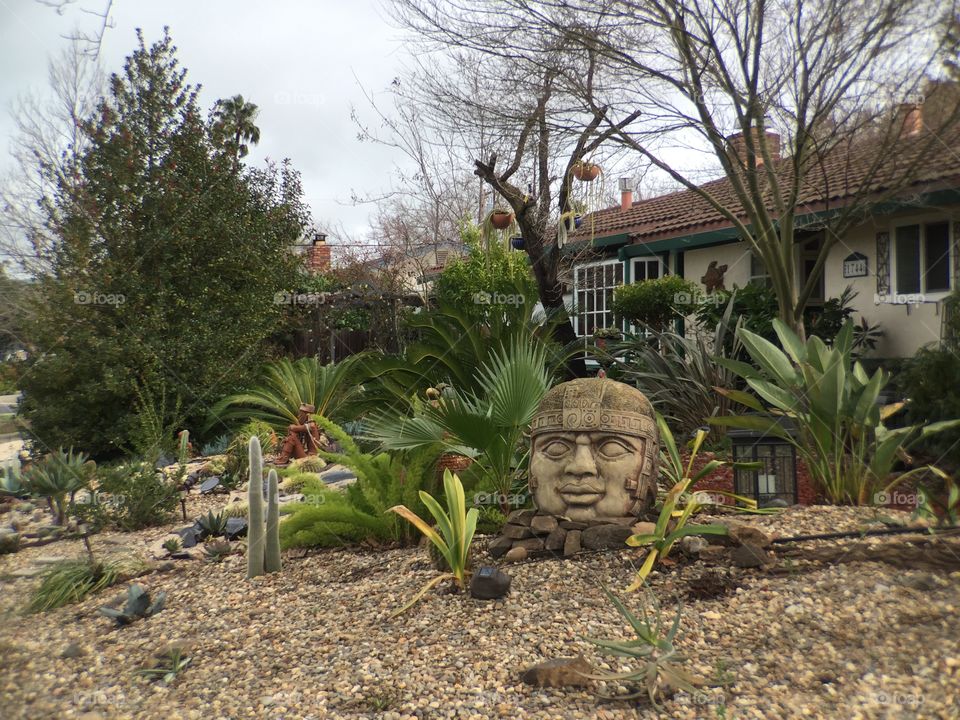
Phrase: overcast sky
(299, 61)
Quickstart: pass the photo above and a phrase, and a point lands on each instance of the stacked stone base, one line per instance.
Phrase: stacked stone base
(529, 534)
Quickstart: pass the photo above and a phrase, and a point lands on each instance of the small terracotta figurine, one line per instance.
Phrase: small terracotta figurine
(303, 438)
(713, 278)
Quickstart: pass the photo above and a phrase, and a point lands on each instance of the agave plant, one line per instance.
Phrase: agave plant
(217, 550)
(832, 403)
(487, 424)
(452, 536)
(138, 606)
(660, 670)
(58, 477)
(289, 384)
(213, 524)
(12, 483)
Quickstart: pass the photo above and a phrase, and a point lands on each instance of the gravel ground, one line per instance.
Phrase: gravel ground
(858, 640)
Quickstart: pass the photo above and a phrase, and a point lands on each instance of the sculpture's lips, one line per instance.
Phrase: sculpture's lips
(580, 494)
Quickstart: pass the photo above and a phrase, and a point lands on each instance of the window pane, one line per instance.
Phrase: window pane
(608, 275)
(589, 306)
(618, 273)
(639, 271)
(937, 276)
(653, 270)
(908, 259)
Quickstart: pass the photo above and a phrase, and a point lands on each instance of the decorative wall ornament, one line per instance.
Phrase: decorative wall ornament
(883, 263)
(713, 278)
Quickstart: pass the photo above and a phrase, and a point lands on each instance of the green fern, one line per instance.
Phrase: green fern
(330, 517)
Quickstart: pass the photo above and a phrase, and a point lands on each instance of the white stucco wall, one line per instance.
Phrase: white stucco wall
(906, 327)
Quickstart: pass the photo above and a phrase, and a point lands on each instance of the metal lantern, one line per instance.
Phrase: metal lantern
(773, 484)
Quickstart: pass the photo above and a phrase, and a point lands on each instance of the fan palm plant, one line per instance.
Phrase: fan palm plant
(486, 423)
(234, 121)
(289, 384)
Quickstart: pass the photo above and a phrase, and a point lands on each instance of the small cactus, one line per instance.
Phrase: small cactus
(272, 552)
(263, 534)
(255, 520)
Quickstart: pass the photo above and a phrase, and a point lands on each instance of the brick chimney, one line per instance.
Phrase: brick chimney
(911, 119)
(626, 194)
(738, 145)
(318, 255)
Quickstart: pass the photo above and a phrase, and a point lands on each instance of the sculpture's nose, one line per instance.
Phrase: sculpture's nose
(582, 464)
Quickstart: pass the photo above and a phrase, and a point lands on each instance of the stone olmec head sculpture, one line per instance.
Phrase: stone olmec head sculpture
(594, 450)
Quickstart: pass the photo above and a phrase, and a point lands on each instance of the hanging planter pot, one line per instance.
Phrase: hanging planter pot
(585, 171)
(517, 242)
(501, 219)
(577, 220)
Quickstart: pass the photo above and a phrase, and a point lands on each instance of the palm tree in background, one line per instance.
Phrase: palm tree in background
(233, 122)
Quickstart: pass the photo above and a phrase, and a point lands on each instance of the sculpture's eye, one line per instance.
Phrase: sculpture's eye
(555, 449)
(613, 449)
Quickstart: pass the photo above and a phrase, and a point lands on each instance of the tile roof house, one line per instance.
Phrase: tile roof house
(900, 256)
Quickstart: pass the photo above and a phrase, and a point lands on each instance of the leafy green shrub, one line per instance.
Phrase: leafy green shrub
(9, 377)
(928, 380)
(186, 249)
(129, 496)
(331, 518)
(654, 303)
(58, 477)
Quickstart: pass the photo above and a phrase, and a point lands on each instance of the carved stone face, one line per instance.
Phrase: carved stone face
(585, 476)
(594, 451)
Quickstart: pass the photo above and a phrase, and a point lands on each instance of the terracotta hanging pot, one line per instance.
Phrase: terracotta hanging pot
(501, 219)
(585, 171)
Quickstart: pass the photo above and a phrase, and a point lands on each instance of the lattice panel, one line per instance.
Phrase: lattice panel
(883, 263)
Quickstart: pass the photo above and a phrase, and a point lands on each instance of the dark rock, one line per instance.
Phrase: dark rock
(489, 583)
(188, 536)
(521, 517)
(712, 553)
(209, 485)
(555, 540)
(9, 541)
(331, 476)
(573, 525)
(749, 556)
(626, 520)
(602, 537)
(163, 461)
(571, 543)
(499, 546)
(543, 524)
(559, 672)
(517, 554)
(235, 528)
(692, 545)
(516, 532)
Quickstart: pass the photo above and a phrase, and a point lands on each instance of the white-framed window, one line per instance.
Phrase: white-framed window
(593, 287)
(921, 258)
(758, 272)
(648, 268)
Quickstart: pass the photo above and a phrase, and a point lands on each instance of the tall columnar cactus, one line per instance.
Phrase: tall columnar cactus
(272, 554)
(263, 539)
(184, 447)
(255, 526)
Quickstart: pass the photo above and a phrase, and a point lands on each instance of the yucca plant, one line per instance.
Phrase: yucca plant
(660, 670)
(832, 403)
(678, 505)
(287, 385)
(679, 374)
(487, 425)
(58, 477)
(452, 536)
